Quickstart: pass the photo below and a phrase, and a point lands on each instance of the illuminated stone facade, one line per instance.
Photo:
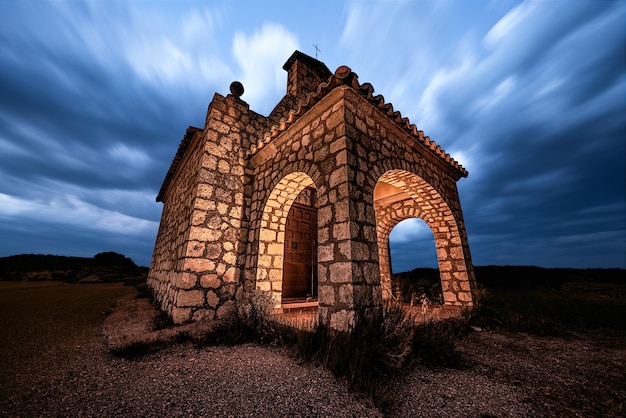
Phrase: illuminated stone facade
(231, 184)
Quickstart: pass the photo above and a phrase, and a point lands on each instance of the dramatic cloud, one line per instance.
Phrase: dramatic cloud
(261, 57)
(527, 95)
(534, 108)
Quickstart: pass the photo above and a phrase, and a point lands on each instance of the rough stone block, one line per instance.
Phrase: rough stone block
(325, 252)
(210, 281)
(341, 231)
(199, 265)
(338, 176)
(360, 251)
(345, 250)
(449, 297)
(180, 315)
(324, 215)
(445, 265)
(456, 253)
(326, 294)
(205, 191)
(226, 310)
(230, 258)
(197, 233)
(197, 217)
(203, 315)
(213, 250)
(195, 249)
(212, 299)
(268, 235)
(346, 294)
(275, 248)
(334, 119)
(186, 281)
(190, 298)
(342, 212)
(265, 286)
(340, 272)
(465, 297)
(230, 275)
(342, 320)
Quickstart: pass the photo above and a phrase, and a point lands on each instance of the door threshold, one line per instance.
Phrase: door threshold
(294, 306)
(297, 305)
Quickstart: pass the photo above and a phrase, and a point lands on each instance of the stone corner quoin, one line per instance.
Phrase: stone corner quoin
(330, 152)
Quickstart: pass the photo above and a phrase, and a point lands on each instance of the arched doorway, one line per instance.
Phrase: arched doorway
(292, 201)
(300, 263)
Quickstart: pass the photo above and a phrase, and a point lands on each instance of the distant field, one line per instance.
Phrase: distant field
(38, 318)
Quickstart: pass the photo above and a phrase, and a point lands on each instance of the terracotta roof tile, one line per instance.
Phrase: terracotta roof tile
(344, 76)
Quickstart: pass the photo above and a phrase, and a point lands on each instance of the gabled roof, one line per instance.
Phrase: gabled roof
(344, 76)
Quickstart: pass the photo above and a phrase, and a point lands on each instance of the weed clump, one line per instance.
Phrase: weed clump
(370, 355)
(377, 350)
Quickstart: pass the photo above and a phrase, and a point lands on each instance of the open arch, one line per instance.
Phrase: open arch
(422, 252)
(271, 254)
(400, 195)
(414, 266)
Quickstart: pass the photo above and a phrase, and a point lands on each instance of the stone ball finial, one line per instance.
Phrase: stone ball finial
(236, 89)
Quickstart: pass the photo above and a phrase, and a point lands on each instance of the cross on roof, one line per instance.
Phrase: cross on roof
(316, 50)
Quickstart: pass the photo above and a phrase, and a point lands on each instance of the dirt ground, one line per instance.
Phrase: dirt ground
(55, 362)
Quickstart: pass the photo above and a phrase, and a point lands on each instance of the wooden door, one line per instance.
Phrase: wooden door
(300, 263)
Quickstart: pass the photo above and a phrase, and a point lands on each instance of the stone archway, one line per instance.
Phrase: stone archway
(272, 233)
(400, 195)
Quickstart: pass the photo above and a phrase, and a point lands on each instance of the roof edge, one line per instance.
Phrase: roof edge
(180, 153)
(345, 76)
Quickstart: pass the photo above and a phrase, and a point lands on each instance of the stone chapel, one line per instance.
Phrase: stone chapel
(300, 203)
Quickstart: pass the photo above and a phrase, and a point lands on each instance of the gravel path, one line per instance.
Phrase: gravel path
(509, 376)
(239, 381)
(182, 381)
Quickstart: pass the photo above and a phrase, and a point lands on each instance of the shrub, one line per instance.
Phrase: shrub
(369, 356)
(376, 350)
(250, 321)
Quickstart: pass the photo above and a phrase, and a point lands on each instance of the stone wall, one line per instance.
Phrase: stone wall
(170, 248)
(204, 216)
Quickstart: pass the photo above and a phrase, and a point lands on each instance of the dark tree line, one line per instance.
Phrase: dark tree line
(105, 266)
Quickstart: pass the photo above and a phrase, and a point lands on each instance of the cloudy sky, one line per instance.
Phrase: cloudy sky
(529, 96)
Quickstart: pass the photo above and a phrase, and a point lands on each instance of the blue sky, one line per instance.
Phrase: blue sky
(528, 96)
